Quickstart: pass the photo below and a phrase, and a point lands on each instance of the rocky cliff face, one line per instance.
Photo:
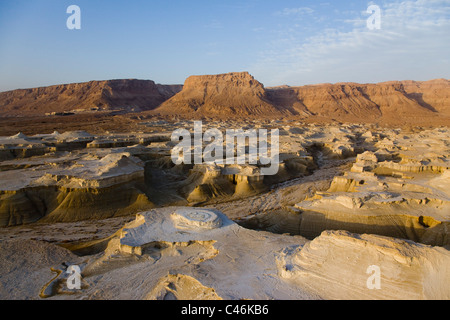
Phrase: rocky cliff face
(385, 101)
(239, 95)
(223, 95)
(434, 94)
(131, 95)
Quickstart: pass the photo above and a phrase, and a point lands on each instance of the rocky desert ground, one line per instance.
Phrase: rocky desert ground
(359, 207)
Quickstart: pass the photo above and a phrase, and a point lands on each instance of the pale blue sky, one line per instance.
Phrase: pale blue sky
(279, 42)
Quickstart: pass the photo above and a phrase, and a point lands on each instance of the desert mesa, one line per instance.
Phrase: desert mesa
(239, 94)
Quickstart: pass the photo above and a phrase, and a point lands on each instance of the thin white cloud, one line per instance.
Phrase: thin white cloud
(214, 24)
(413, 43)
(295, 11)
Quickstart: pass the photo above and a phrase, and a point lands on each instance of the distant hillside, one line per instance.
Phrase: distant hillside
(132, 95)
(367, 101)
(239, 96)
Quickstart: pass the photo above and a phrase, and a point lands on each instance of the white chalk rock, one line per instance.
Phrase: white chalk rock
(195, 219)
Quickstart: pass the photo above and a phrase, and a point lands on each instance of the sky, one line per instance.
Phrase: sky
(280, 42)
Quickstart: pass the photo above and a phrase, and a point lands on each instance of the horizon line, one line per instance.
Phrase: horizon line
(182, 84)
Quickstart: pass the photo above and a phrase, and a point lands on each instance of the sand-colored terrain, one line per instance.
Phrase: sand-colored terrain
(358, 209)
(345, 198)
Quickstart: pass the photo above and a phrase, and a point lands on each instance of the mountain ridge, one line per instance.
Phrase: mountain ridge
(240, 95)
(99, 95)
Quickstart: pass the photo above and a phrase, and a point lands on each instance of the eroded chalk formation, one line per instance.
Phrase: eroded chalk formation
(398, 188)
(209, 257)
(77, 175)
(351, 208)
(342, 265)
(181, 287)
(179, 253)
(183, 225)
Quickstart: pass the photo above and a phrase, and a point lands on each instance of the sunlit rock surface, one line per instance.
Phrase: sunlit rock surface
(347, 199)
(341, 265)
(200, 252)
